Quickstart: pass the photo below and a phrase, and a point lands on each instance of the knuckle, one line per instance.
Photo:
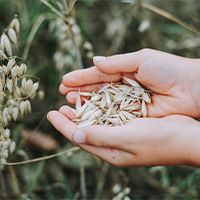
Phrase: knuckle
(101, 76)
(145, 51)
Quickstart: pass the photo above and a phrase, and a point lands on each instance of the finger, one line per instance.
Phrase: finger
(102, 136)
(86, 88)
(71, 97)
(62, 123)
(123, 62)
(88, 76)
(68, 112)
(67, 128)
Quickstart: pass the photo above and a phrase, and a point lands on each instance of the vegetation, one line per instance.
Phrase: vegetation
(57, 37)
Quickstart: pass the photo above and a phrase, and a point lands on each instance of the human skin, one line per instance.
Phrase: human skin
(173, 80)
(166, 136)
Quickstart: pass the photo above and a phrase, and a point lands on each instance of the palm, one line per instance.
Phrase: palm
(167, 76)
(171, 92)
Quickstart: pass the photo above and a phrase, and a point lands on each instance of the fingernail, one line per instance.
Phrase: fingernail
(79, 136)
(48, 116)
(99, 58)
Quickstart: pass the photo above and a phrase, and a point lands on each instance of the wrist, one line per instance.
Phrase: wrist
(193, 144)
(193, 75)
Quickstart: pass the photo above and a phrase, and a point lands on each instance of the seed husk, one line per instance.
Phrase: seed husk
(112, 105)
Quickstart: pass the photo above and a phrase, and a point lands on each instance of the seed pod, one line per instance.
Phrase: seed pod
(14, 71)
(10, 110)
(12, 146)
(9, 85)
(5, 145)
(15, 24)
(15, 113)
(82, 109)
(4, 69)
(5, 121)
(34, 88)
(6, 133)
(28, 86)
(88, 114)
(27, 107)
(103, 102)
(5, 112)
(5, 44)
(12, 35)
(2, 55)
(41, 94)
(1, 69)
(96, 97)
(1, 87)
(22, 69)
(18, 92)
(146, 97)
(12, 102)
(78, 102)
(144, 109)
(24, 85)
(108, 101)
(5, 153)
(22, 108)
(131, 82)
(10, 64)
(86, 123)
(1, 96)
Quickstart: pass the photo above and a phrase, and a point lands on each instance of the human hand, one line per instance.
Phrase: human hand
(171, 140)
(174, 80)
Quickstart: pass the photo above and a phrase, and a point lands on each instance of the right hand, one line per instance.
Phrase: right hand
(174, 81)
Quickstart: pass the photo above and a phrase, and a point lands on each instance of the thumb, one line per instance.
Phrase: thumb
(121, 63)
(101, 136)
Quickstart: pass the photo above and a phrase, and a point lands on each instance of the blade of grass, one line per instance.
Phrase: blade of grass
(3, 190)
(82, 177)
(36, 26)
(55, 11)
(71, 4)
(37, 175)
(169, 16)
(66, 6)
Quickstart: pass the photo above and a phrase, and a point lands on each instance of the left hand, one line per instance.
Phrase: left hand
(171, 140)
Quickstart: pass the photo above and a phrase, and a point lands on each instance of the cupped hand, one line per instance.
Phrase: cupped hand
(171, 140)
(174, 80)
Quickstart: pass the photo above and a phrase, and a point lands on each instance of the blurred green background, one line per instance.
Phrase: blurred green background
(51, 48)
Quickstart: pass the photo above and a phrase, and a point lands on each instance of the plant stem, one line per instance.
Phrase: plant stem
(55, 11)
(82, 177)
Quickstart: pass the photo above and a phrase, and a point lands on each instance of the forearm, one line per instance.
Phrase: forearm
(193, 146)
(194, 81)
